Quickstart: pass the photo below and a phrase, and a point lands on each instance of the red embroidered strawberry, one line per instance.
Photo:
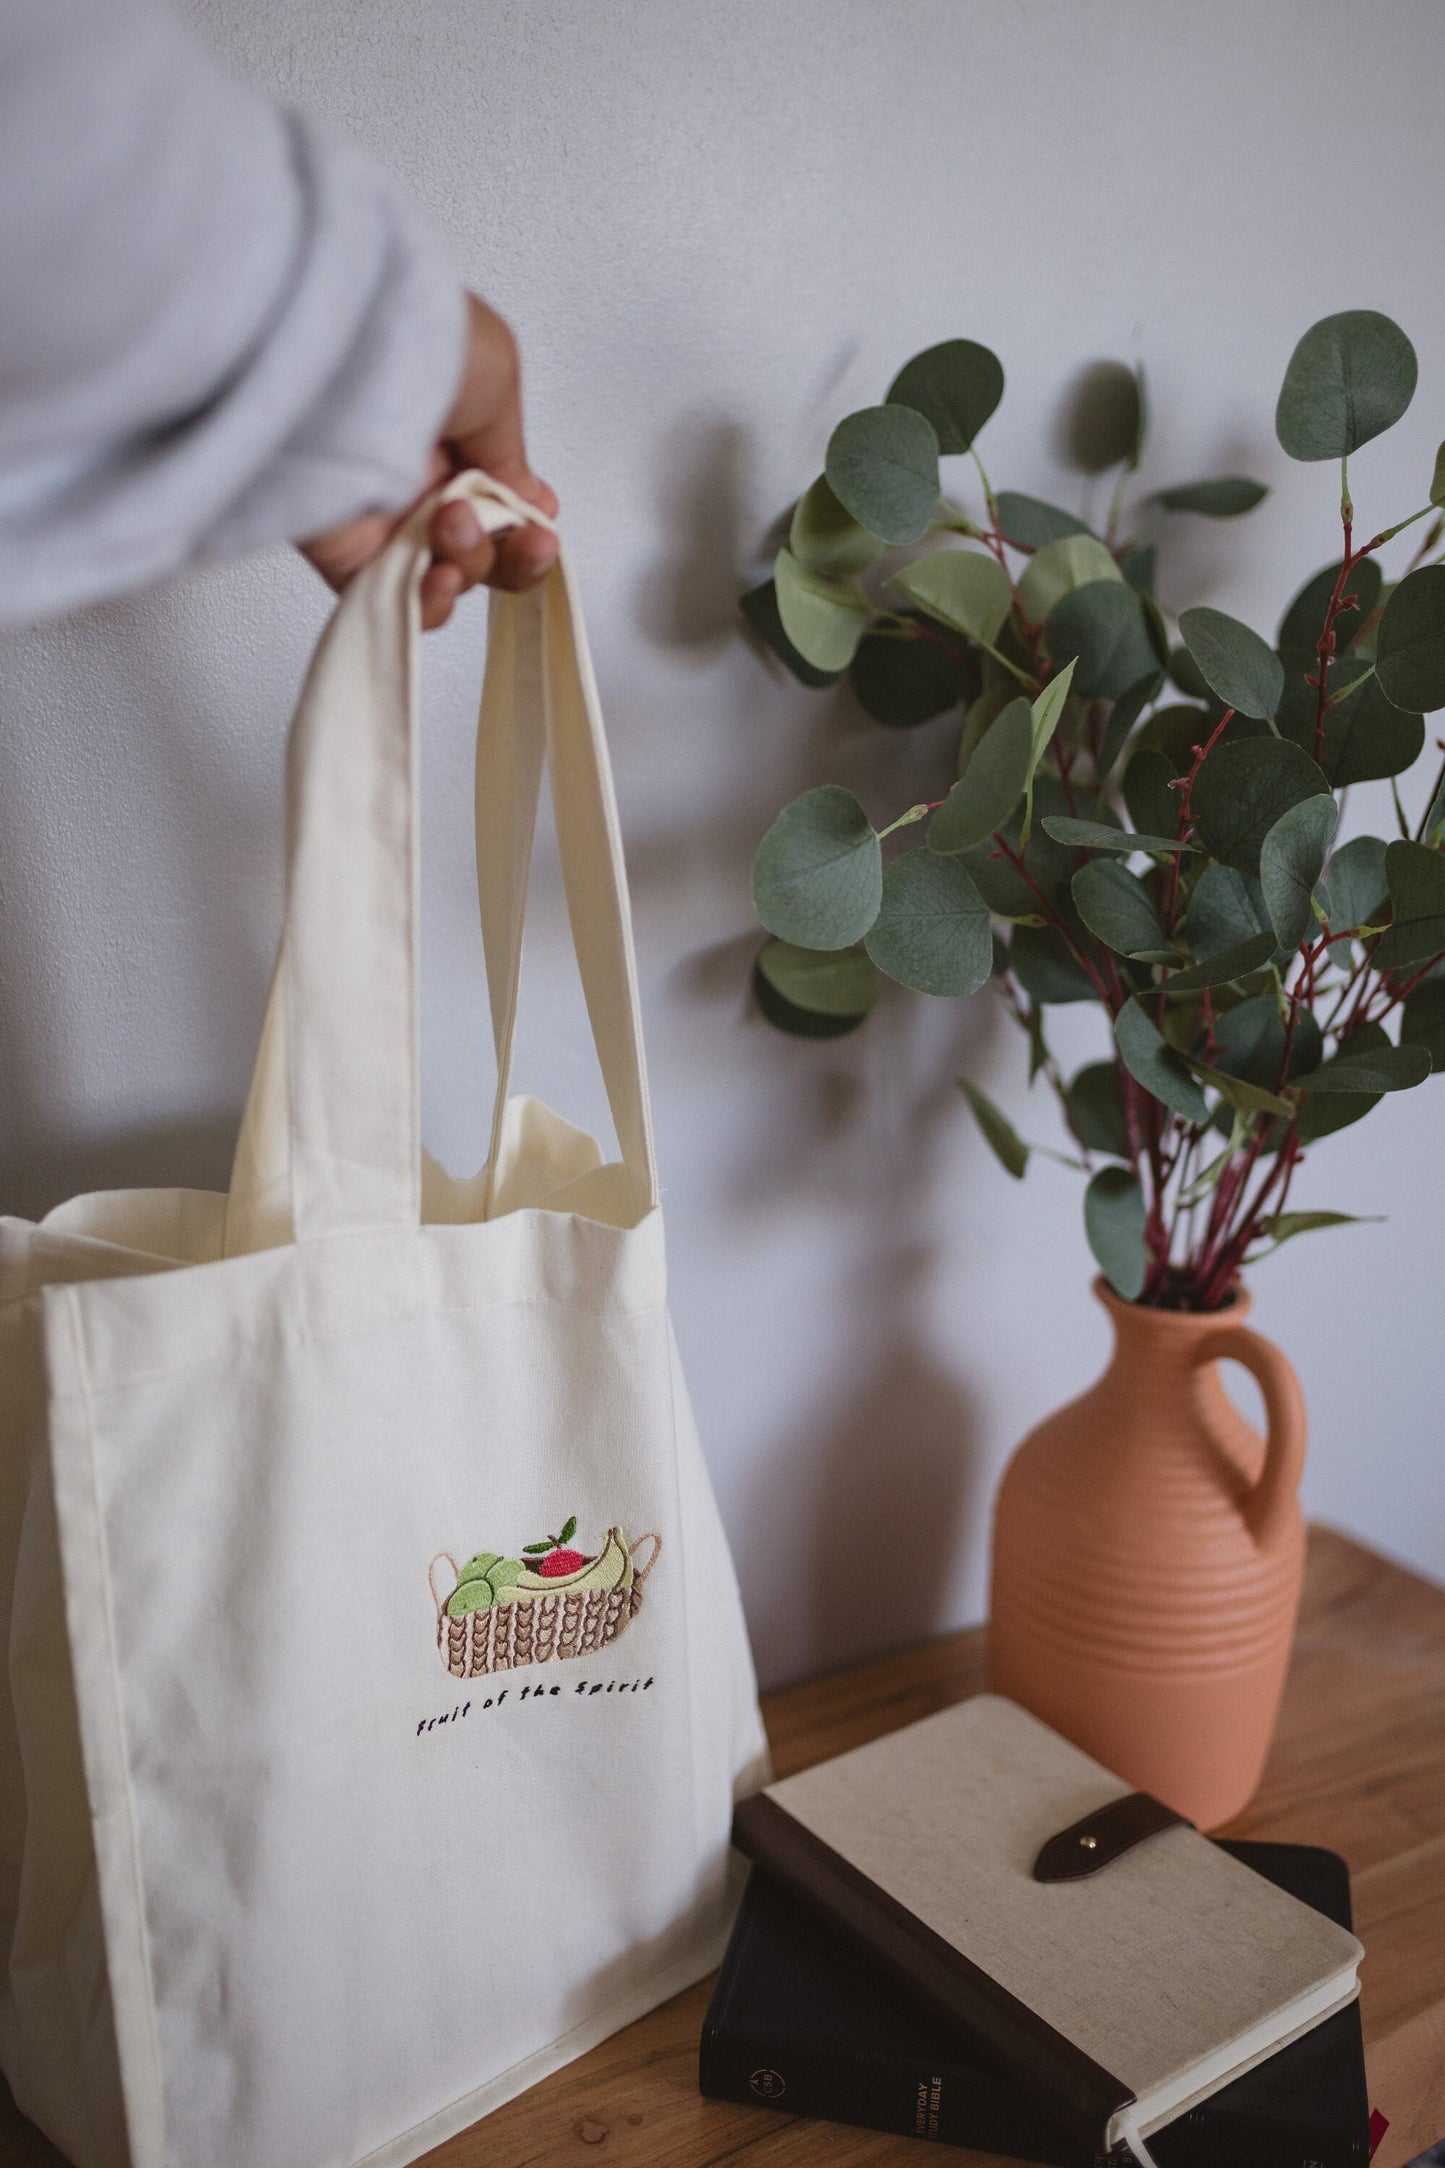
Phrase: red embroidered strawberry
(557, 1559)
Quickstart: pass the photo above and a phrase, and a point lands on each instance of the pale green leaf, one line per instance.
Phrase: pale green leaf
(824, 619)
(961, 588)
(1059, 567)
(827, 540)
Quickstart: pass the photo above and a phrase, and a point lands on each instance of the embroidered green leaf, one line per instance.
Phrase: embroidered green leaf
(569, 1529)
(530, 1550)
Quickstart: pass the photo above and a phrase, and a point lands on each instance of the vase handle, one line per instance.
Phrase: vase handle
(1268, 1510)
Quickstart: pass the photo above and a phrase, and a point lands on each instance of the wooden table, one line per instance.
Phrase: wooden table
(1358, 1764)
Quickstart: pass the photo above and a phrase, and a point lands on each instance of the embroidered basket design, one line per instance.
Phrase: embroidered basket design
(530, 1626)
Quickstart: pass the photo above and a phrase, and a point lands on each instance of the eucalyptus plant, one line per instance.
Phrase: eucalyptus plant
(1142, 819)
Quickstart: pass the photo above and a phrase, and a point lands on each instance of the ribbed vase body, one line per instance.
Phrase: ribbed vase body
(1147, 1555)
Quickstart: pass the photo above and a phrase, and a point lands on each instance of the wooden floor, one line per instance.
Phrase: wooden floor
(1358, 1764)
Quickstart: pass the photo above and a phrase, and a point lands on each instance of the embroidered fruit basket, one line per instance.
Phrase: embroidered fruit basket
(499, 1614)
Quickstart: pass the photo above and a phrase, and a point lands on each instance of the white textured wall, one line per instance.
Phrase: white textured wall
(718, 228)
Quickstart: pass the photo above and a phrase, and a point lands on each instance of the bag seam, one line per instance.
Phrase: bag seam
(120, 1739)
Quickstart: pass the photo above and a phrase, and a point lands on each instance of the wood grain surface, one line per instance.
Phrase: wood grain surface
(1358, 1764)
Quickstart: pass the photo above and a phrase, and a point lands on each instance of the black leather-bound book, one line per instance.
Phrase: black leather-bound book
(803, 2021)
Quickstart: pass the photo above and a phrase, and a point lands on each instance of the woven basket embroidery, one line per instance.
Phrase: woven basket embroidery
(535, 1627)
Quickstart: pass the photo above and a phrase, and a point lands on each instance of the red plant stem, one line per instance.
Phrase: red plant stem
(1325, 649)
(1186, 808)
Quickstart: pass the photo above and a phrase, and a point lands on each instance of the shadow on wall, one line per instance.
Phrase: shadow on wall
(100, 1003)
(192, 1154)
(854, 1531)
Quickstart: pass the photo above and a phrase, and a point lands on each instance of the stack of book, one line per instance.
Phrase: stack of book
(971, 1933)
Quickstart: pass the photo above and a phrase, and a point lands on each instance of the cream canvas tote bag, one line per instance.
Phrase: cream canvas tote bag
(331, 1815)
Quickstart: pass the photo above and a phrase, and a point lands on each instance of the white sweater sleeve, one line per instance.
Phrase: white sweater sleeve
(219, 327)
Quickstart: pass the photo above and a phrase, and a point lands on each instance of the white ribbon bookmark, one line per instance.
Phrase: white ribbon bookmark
(1134, 2142)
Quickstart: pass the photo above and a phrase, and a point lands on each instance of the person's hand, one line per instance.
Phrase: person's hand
(484, 429)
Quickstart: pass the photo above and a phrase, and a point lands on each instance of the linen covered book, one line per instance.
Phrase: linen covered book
(803, 2020)
(1123, 1984)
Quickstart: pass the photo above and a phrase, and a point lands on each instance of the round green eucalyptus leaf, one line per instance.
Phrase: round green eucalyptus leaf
(901, 683)
(1102, 629)
(1238, 666)
(1185, 672)
(1350, 378)
(1423, 1021)
(1415, 875)
(1060, 566)
(1118, 909)
(932, 932)
(1175, 731)
(828, 982)
(1094, 1104)
(1241, 791)
(800, 1023)
(1354, 888)
(826, 539)
(824, 619)
(1291, 860)
(991, 785)
(1304, 621)
(818, 874)
(1371, 1069)
(1032, 523)
(1138, 564)
(760, 612)
(956, 386)
(1366, 736)
(1322, 1113)
(1410, 655)
(1226, 910)
(1154, 1064)
(1249, 1042)
(964, 589)
(1046, 968)
(1153, 805)
(1114, 1225)
(1224, 498)
(882, 467)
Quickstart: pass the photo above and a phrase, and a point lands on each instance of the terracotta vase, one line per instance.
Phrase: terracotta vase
(1148, 1548)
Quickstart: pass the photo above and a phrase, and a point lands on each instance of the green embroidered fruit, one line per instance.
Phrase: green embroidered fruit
(477, 1569)
(470, 1596)
(504, 1573)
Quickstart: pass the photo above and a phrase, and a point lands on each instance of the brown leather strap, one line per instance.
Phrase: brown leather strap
(1104, 1836)
(1081, 2093)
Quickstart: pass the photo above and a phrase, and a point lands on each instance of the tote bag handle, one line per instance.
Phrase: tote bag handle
(330, 1141)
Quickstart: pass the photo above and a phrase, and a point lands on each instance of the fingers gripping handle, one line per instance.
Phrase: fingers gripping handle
(1271, 1505)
